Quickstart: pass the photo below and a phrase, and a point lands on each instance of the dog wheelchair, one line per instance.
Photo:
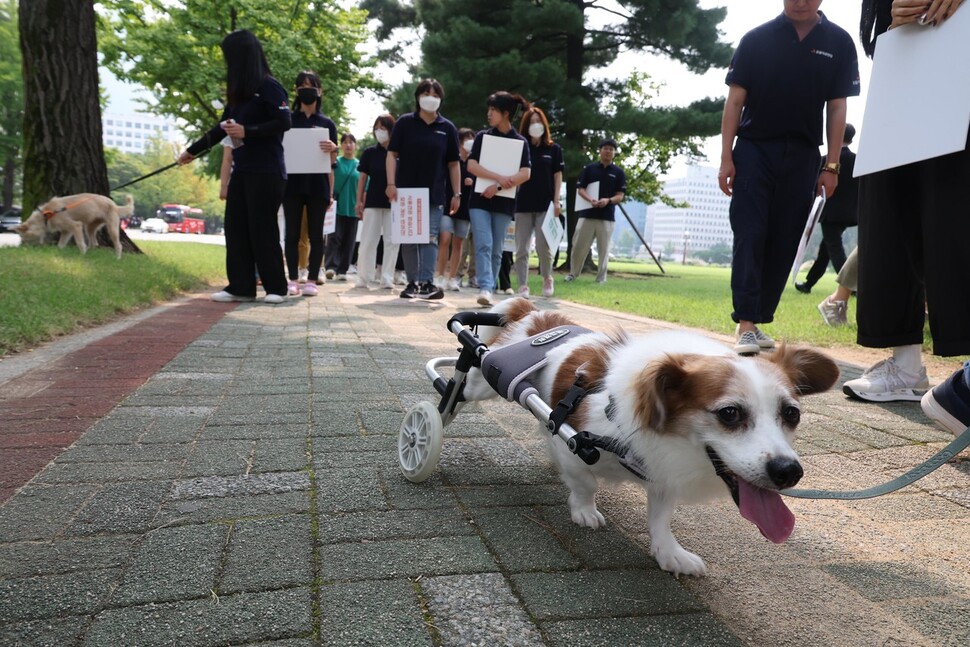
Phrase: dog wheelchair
(507, 370)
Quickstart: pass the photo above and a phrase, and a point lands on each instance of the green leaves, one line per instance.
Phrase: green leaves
(173, 50)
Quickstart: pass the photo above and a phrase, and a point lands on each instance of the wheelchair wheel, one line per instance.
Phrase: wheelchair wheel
(419, 442)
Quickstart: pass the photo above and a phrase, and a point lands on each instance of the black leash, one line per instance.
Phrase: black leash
(155, 172)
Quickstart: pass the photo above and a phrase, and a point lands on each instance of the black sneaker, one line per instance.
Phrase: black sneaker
(410, 291)
(804, 288)
(948, 404)
(429, 291)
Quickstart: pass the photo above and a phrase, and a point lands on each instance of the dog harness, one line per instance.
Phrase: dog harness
(50, 213)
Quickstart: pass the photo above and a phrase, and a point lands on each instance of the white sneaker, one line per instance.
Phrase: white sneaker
(400, 278)
(352, 269)
(548, 287)
(747, 344)
(523, 290)
(303, 274)
(386, 284)
(885, 381)
(485, 298)
(225, 297)
(439, 282)
(341, 277)
(833, 312)
(360, 282)
(274, 299)
(453, 285)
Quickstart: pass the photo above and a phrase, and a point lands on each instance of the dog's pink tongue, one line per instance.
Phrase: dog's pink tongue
(765, 509)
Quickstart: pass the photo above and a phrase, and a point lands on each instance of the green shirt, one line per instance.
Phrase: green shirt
(345, 186)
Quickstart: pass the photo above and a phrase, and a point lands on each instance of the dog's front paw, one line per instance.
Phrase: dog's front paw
(678, 561)
(587, 516)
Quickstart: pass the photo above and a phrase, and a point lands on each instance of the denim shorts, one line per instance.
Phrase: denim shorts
(455, 226)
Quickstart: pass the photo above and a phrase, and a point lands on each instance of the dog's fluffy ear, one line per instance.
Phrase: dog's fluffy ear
(654, 386)
(809, 371)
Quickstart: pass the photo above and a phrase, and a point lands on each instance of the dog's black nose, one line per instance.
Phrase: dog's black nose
(784, 472)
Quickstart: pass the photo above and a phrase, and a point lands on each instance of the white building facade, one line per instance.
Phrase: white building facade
(700, 225)
(131, 132)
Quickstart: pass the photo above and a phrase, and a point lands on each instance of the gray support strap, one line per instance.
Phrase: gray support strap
(958, 445)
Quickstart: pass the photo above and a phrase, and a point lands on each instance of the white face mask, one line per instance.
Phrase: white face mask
(381, 135)
(536, 130)
(467, 144)
(429, 103)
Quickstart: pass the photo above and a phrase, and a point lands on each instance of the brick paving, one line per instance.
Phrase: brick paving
(239, 485)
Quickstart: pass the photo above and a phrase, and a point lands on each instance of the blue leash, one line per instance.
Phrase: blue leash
(958, 445)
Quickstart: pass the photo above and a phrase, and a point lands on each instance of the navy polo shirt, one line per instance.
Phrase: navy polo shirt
(497, 203)
(373, 164)
(537, 193)
(423, 153)
(266, 116)
(612, 180)
(315, 184)
(788, 81)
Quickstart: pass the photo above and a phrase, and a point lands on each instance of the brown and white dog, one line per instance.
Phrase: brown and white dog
(680, 403)
(74, 215)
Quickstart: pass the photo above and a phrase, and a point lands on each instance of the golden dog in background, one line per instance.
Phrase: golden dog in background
(73, 216)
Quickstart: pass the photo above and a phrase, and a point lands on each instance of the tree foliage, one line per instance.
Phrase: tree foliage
(172, 49)
(12, 106)
(553, 52)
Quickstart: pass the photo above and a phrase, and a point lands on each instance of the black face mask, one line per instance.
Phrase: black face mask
(307, 96)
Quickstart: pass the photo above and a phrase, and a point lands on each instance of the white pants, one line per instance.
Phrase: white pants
(377, 223)
(528, 223)
(586, 229)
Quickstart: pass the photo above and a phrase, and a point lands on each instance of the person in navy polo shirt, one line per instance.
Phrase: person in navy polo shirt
(491, 213)
(423, 153)
(599, 221)
(534, 198)
(256, 116)
(784, 73)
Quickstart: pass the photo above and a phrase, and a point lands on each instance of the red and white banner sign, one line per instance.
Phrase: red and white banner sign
(411, 217)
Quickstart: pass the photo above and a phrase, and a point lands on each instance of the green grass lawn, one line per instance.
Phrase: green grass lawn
(700, 297)
(46, 291)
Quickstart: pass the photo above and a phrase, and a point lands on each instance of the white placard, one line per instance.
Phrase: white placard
(508, 243)
(411, 217)
(918, 106)
(502, 155)
(552, 229)
(301, 150)
(810, 222)
(582, 204)
(330, 218)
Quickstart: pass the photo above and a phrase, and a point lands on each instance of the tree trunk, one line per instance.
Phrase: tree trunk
(63, 152)
(9, 179)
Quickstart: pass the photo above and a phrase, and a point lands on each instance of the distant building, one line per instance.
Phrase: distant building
(129, 133)
(703, 223)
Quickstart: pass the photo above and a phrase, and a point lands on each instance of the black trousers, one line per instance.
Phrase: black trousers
(253, 235)
(914, 255)
(340, 244)
(773, 192)
(316, 207)
(831, 249)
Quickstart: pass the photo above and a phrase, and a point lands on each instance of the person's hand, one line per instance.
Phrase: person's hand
(828, 180)
(234, 130)
(469, 181)
(455, 205)
(184, 158)
(391, 192)
(223, 192)
(726, 176)
(490, 191)
(327, 146)
(557, 209)
(506, 182)
(909, 11)
(359, 209)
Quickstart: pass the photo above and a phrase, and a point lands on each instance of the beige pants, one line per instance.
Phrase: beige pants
(586, 230)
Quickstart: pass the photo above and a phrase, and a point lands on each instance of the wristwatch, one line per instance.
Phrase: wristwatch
(832, 167)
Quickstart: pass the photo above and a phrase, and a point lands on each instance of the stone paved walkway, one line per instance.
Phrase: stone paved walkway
(248, 493)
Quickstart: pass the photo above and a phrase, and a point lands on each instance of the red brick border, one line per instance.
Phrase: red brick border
(46, 409)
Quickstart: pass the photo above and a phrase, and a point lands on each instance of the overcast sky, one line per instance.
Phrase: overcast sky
(681, 87)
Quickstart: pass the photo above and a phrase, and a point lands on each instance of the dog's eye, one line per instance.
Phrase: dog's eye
(791, 415)
(730, 416)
